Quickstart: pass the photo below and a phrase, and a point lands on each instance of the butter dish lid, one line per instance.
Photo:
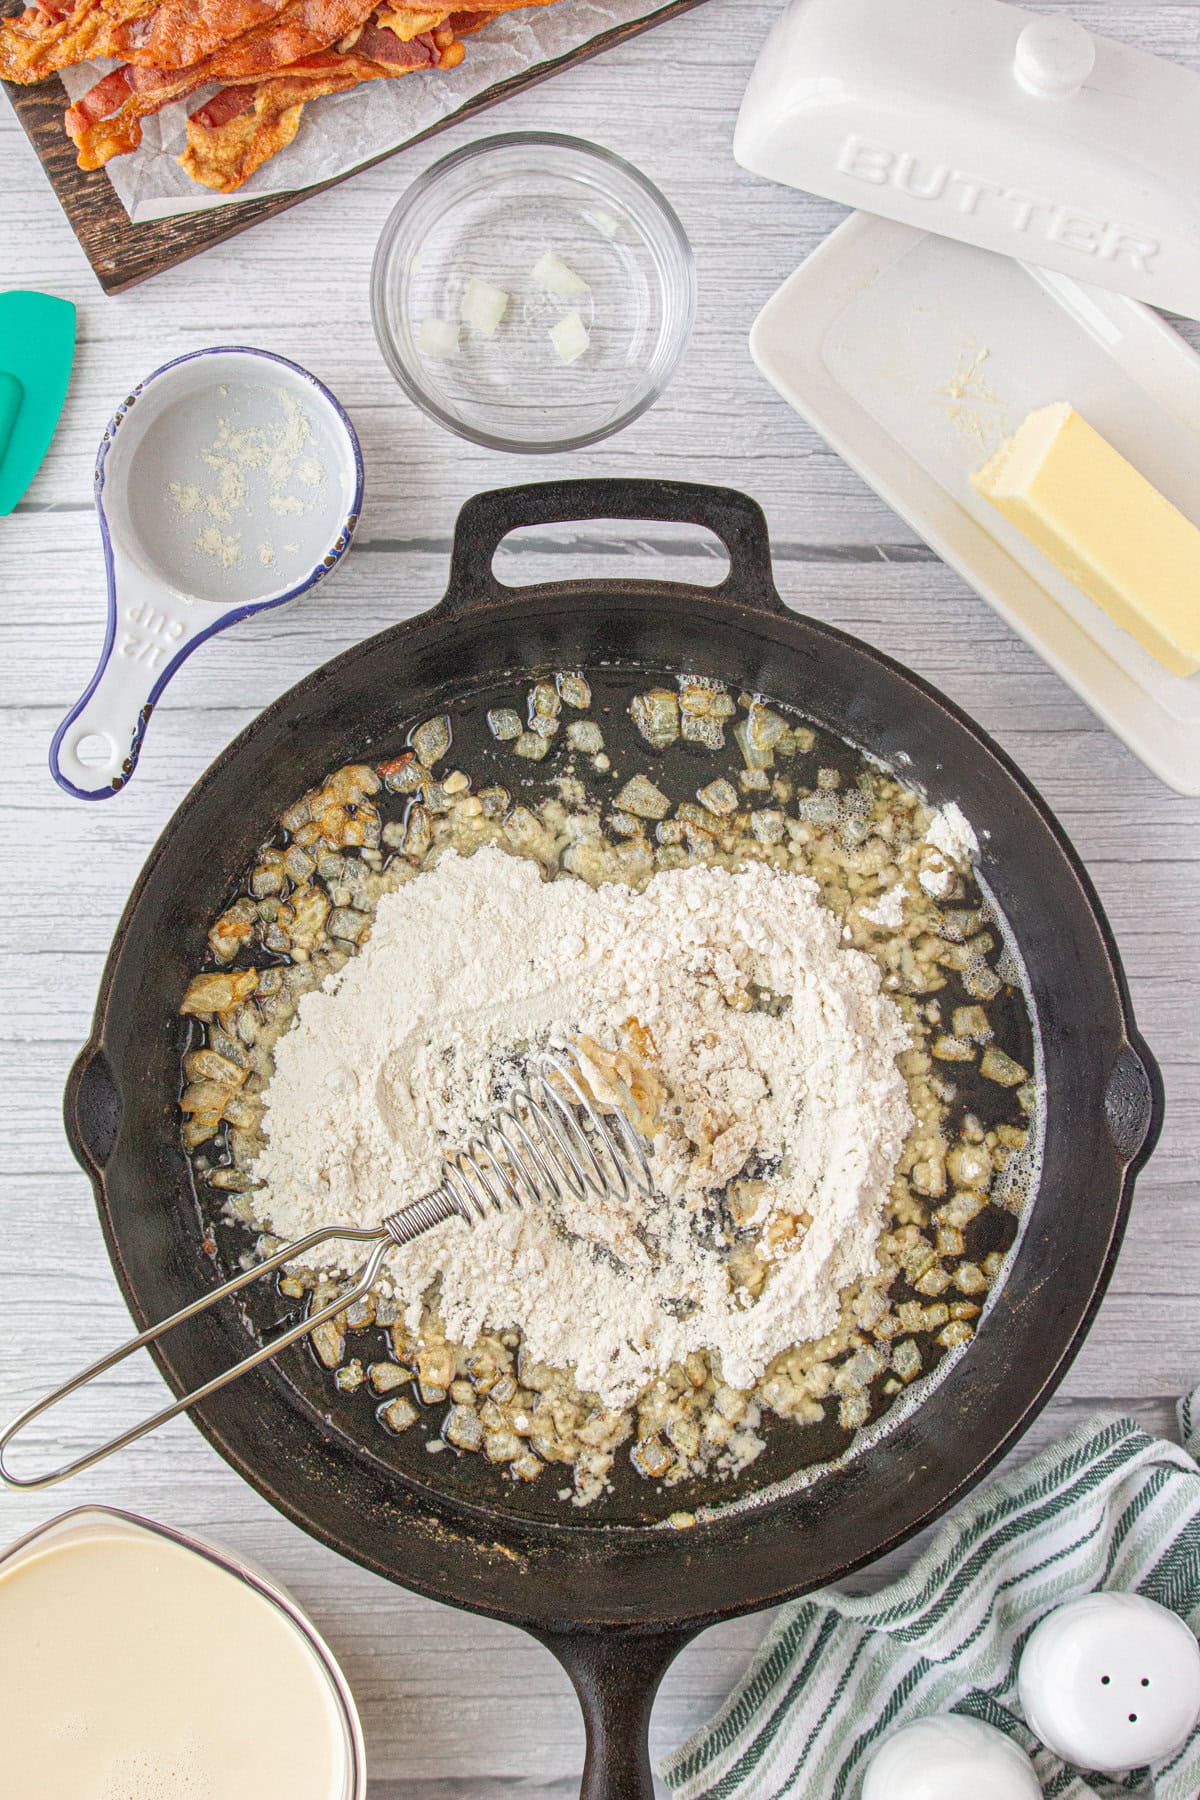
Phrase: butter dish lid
(985, 122)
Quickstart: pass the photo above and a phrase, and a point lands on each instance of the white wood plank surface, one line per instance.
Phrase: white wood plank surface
(456, 1708)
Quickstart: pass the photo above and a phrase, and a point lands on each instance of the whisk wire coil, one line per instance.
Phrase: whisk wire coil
(547, 1146)
(550, 1143)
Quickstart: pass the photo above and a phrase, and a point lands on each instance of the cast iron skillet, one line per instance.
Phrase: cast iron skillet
(616, 1603)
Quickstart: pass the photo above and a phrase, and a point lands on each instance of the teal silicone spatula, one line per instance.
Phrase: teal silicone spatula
(37, 345)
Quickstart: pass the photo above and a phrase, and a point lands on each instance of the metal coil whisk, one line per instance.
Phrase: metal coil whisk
(549, 1143)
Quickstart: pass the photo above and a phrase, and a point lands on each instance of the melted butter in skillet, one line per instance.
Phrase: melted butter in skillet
(132, 1668)
(947, 1247)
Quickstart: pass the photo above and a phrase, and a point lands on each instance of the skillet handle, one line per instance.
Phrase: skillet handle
(616, 1675)
(1133, 1103)
(92, 1108)
(486, 520)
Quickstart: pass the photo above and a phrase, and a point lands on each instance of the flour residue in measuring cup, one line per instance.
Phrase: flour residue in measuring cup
(230, 491)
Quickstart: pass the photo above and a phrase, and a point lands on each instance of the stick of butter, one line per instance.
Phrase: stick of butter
(1105, 527)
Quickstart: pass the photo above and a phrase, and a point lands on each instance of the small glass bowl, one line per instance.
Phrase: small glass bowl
(490, 212)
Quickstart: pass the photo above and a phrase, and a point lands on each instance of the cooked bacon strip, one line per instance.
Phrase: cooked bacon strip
(53, 36)
(236, 131)
(271, 57)
(485, 12)
(410, 21)
(224, 153)
(163, 34)
(225, 106)
(227, 141)
(106, 121)
(154, 34)
(178, 33)
(377, 46)
(407, 17)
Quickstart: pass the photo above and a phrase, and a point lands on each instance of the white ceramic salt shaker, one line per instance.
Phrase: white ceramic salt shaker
(1111, 1682)
(947, 1756)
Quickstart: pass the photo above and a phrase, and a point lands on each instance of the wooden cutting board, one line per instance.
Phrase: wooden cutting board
(122, 253)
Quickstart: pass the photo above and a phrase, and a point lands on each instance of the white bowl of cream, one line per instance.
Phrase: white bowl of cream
(139, 1664)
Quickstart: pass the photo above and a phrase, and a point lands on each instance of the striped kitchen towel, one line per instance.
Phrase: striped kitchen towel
(1111, 1507)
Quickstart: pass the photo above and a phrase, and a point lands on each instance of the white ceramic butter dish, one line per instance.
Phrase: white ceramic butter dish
(992, 125)
(915, 356)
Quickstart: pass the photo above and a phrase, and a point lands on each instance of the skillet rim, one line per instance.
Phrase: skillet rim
(439, 1513)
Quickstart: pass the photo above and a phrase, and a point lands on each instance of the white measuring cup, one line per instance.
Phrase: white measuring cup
(230, 480)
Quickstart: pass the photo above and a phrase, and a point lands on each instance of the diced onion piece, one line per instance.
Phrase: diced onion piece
(483, 306)
(438, 337)
(570, 338)
(606, 223)
(552, 273)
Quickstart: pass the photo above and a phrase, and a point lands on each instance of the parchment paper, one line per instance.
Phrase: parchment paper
(340, 132)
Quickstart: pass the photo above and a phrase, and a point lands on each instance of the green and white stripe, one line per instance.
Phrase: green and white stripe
(1109, 1507)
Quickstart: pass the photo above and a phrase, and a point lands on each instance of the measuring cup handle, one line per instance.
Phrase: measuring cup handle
(147, 635)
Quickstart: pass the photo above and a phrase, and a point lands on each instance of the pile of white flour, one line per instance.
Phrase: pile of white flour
(475, 962)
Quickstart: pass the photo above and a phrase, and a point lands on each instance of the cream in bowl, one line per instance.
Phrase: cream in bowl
(136, 1664)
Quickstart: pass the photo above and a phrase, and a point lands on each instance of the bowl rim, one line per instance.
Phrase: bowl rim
(243, 1570)
(428, 180)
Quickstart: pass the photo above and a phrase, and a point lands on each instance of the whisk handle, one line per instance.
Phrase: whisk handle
(383, 1240)
(516, 1160)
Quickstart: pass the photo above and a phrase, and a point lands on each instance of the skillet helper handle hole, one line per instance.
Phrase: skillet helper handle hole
(592, 553)
(732, 517)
